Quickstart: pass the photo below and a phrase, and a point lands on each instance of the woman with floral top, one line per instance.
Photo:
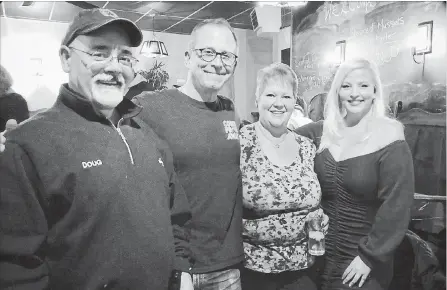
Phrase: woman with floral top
(280, 189)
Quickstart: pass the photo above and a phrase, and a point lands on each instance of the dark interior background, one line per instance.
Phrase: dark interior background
(380, 31)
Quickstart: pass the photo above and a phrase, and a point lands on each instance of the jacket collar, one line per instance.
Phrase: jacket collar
(78, 103)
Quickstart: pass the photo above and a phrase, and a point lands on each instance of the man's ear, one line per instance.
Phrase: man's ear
(187, 58)
(65, 55)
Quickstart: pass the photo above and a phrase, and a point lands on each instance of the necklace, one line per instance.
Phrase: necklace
(274, 142)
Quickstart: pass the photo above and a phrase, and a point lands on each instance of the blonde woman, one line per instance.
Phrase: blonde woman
(280, 188)
(365, 170)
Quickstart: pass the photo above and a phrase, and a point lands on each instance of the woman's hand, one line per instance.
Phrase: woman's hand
(324, 226)
(356, 271)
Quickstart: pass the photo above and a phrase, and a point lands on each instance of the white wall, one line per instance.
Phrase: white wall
(22, 40)
(281, 41)
(259, 55)
(240, 74)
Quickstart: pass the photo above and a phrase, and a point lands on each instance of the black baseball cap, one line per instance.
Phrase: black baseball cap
(89, 20)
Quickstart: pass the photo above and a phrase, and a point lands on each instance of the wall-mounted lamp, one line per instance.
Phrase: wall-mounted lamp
(154, 47)
(337, 56)
(423, 42)
(340, 51)
(425, 36)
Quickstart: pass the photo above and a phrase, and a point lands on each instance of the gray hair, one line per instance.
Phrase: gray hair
(214, 21)
(5, 80)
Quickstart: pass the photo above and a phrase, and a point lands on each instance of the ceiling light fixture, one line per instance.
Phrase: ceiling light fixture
(284, 3)
(154, 48)
(27, 3)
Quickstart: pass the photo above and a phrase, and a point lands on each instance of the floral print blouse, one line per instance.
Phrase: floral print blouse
(274, 235)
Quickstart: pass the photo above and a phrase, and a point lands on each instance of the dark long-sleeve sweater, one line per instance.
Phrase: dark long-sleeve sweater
(87, 206)
(204, 140)
(368, 200)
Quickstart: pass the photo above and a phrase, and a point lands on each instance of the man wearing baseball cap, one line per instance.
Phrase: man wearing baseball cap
(89, 197)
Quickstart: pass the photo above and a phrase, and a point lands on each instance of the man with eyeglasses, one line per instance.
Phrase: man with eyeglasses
(89, 198)
(199, 126)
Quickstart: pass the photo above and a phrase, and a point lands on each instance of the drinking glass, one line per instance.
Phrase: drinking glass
(316, 245)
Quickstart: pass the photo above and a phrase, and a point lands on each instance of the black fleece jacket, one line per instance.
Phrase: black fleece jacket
(85, 205)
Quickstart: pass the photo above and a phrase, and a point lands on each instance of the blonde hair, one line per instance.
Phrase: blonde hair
(279, 71)
(333, 118)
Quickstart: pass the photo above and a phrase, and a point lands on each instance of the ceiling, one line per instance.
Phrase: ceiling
(177, 17)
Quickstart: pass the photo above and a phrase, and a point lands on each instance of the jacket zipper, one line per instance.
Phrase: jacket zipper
(124, 139)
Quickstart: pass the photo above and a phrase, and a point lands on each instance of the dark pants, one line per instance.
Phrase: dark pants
(370, 284)
(289, 280)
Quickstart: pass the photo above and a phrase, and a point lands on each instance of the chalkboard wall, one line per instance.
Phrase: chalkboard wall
(384, 32)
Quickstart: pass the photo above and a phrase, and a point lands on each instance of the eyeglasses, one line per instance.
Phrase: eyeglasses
(106, 56)
(209, 54)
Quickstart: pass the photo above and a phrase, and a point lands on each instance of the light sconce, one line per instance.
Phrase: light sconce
(423, 42)
(337, 56)
(340, 51)
(425, 36)
(154, 47)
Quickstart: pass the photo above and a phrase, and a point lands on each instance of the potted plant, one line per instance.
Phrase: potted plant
(156, 76)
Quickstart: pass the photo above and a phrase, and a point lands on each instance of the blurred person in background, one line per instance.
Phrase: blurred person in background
(299, 115)
(12, 105)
